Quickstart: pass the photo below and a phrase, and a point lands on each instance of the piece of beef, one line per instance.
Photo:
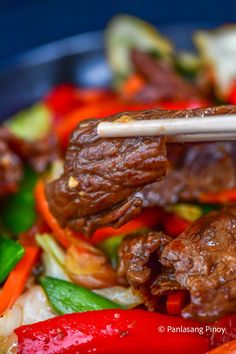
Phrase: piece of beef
(10, 170)
(200, 168)
(163, 81)
(39, 153)
(101, 176)
(139, 264)
(14, 151)
(204, 261)
(195, 169)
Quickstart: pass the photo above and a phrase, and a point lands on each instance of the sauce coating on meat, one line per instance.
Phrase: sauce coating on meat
(38, 153)
(194, 168)
(201, 260)
(10, 170)
(204, 261)
(14, 151)
(163, 81)
(139, 264)
(101, 176)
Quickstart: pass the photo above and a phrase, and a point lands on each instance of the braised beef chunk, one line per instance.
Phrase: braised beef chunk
(139, 257)
(38, 153)
(195, 168)
(102, 175)
(10, 170)
(204, 261)
(14, 151)
(200, 168)
(163, 82)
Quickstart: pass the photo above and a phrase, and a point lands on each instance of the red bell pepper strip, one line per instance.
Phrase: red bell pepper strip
(176, 301)
(229, 324)
(190, 104)
(65, 98)
(94, 110)
(232, 94)
(17, 279)
(225, 196)
(107, 106)
(227, 348)
(149, 218)
(62, 99)
(174, 225)
(113, 332)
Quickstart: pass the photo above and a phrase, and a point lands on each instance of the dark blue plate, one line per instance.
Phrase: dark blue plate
(79, 60)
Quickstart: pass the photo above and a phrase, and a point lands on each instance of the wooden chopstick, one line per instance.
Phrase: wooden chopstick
(208, 128)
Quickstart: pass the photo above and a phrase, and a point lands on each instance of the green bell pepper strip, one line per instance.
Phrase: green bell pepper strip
(189, 212)
(111, 245)
(18, 214)
(110, 248)
(65, 297)
(11, 253)
(32, 123)
(207, 208)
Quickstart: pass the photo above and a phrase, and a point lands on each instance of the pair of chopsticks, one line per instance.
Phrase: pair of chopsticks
(196, 129)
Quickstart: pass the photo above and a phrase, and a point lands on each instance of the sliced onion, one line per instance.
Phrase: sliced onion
(217, 48)
(126, 297)
(88, 266)
(30, 307)
(53, 257)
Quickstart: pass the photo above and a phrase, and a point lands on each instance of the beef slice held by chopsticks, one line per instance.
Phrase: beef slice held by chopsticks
(101, 176)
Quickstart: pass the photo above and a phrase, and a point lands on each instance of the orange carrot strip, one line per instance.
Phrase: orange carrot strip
(17, 279)
(133, 84)
(42, 206)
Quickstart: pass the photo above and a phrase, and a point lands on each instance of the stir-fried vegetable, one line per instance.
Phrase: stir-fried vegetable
(221, 197)
(227, 348)
(189, 212)
(126, 32)
(30, 307)
(53, 257)
(217, 49)
(31, 124)
(110, 247)
(18, 213)
(176, 301)
(149, 218)
(66, 297)
(42, 206)
(17, 279)
(10, 254)
(112, 331)
(127, 297)
(227, 322)
(88, 266)
(173, 225)
(188, 64)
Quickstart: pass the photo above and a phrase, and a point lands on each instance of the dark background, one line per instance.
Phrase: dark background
(26, 24)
